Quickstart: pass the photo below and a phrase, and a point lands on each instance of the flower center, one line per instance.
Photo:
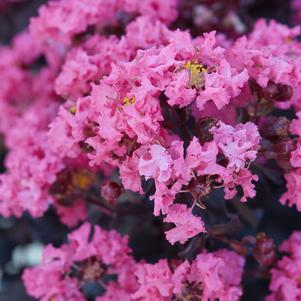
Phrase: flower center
(196, 73)
(129, 100)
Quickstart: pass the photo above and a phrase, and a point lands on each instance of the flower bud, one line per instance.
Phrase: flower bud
(111, 191)
(264, 250)
(275, 127)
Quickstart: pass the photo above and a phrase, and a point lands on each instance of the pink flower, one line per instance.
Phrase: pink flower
(164, 197)
(239, 144)
(292, 245)
(165, 11)
(156, 163)
(76, 74)
(285, 282)
(129, 174)
(179, 276)
(186, 224)
(155, 281)
(178, 93)
(72, 215)
(244, 179)
(59, 21)
(63, 269)
(202, 159)
(46, 281)
(219, 275)
(222, 85)
(210, 276)
(293, 186)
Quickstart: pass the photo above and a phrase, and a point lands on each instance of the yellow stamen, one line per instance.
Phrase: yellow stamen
(72, 110)
(196, 73)
(129, 100)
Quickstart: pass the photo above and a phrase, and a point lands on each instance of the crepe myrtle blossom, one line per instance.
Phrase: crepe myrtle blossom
(113, 109)
(64, 270)
(169, 168)
(285, 282)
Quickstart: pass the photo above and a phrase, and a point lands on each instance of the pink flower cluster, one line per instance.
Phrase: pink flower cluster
(93, 257)
(62, 21)
(113, 114)
(285, 282)
(64, 270)
(103, 98)
(171, 171)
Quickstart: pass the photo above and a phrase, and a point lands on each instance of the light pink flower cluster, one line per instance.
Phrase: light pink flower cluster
(285, 282)
(91, 257)
(171, 171)
(210, 276)
(117, 90)
(87, 257)
(105, 89)
(28, 104)
(269, 57)
(60, 22)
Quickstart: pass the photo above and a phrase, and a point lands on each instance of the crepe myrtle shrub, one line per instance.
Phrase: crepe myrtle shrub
(130, 118)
